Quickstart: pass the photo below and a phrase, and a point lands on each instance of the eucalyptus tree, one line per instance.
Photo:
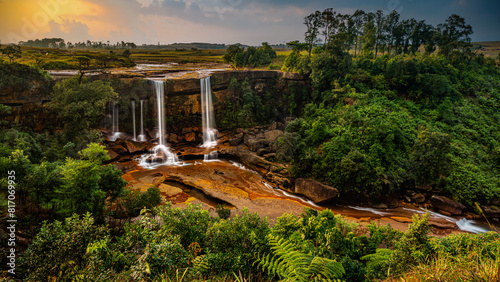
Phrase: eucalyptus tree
(455, 34)
(313, 23)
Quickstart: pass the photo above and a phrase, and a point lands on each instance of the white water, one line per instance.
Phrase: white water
(133, 119)
(462, 224)
(208, 121)
(160, 154)
(115, 123)
(141, 136)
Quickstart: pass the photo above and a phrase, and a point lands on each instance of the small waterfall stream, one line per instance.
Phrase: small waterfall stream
(133, 119)
(115, 108)
(160, 154)
(141, 136)
(208, 121)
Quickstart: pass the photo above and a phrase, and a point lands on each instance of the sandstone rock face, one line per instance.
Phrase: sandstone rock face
(447, 205)
(315, 190)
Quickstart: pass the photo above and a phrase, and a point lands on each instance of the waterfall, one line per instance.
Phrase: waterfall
(161, 154)
(208, 121)
(115, 119)
(141, 136)
(133, 119)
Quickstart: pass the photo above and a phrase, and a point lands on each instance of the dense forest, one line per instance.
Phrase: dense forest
(390, 105)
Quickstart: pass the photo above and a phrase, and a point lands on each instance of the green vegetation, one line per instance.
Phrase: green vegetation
(238, 57)
(380, 112)
(316, 246)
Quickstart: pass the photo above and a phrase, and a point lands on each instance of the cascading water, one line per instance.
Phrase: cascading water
(161, 154)
(115, 119)
(141, 136)
(208, 121)
(133, 119)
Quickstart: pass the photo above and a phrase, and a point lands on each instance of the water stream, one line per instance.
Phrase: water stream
(133, 119)
(141, 136)
(161, 153)
(208, 121)
(115, 108)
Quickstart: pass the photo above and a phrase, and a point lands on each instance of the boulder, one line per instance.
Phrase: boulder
(273, 135)
(491, 211)
(118, 149)
(173, 138)
(190, 137)
(238, 138)
(134, 147)
(186, 130)
(418, 198)
(446, 204)
(112, 155)
(270, 156)
(263, 151)
(276, 125)
(315, 190)
(255, 144)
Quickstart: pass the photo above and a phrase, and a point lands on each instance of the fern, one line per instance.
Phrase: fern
(200, 264)
(377, 264)
(292, 265)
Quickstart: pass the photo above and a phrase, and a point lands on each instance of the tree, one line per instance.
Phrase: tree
(313, 23)
(357, 28)
(369, 37)
(430, 156)
(233, 55)
(391, 22)
(12, 52)
(83, 65)
(455, 34)
(379, 27)
(80, 105)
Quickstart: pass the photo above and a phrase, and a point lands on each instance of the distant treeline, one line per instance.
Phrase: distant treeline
(376, 32)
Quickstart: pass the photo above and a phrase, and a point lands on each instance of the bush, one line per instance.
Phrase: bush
(223, 212)
(59, 247)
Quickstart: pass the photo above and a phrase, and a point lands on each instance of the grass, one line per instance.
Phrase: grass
(51, 58)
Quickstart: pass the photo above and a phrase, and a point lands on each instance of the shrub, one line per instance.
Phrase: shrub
(57, 245)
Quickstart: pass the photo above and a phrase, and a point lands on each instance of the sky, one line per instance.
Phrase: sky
(248, 22)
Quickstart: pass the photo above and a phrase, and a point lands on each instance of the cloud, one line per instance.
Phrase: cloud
(70, 30)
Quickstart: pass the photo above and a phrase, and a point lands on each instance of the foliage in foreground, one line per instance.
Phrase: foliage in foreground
(191, 244)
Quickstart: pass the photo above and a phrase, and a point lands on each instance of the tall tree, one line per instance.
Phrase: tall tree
(455, 34)
(379, 27)
(313, 23)
(390, 29)
(358, 24)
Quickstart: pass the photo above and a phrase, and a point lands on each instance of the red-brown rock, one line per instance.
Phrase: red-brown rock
(448, 205)
(314, 190)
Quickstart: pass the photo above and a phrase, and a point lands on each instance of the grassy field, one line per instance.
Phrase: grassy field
(50, 58)
(490, 48)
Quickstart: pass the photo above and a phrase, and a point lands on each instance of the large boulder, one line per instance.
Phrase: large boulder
(491, 211)
(273, 135)
(447, 205)
(315, 190)
(255, 144)
(238, 138)
(134, 147)
(190, 137)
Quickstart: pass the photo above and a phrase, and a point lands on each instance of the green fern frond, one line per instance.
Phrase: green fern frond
(292, 265)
